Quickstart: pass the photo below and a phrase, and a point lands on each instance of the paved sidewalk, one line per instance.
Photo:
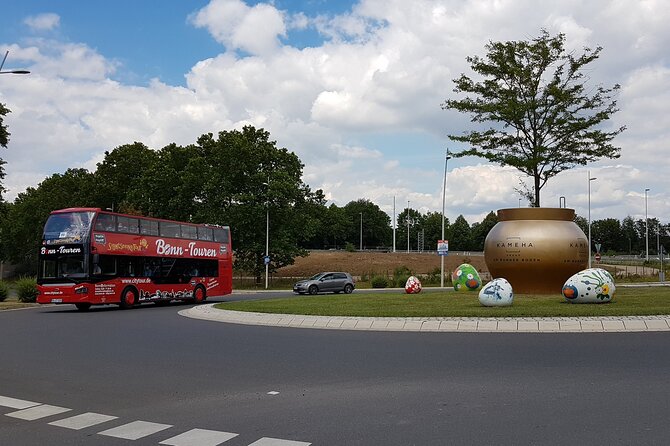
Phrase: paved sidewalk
(436, 324)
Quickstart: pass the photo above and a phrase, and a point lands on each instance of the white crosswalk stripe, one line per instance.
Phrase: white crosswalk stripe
(16, 404)
(199, 437)
(37, 412)
(30, 410)
(82, 421)
(267, 441)
(135, 430)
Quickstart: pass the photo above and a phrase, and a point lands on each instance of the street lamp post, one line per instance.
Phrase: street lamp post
(444, 194)
(361, 245)
(11, 71)
(590, 179)
(267, 232)
(407, 226)
(646, 224)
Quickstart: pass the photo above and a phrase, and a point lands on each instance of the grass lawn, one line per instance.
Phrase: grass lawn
(13, 303)
(627, 302)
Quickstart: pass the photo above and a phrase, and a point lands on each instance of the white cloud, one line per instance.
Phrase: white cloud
(43, 22)
(240, 27)
(362, 110)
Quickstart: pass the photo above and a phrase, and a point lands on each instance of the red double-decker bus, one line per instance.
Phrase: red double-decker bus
(92, 257)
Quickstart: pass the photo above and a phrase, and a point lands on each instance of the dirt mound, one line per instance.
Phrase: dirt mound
(367, 263)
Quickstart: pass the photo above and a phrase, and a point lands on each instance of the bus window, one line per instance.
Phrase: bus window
(221, 235)
(105, 222)
(169, 229)
(148, 227)
(205, 233)
(128, 224)
(188, 231)
(106, 266)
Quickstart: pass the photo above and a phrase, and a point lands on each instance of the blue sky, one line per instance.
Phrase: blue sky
(354, 88)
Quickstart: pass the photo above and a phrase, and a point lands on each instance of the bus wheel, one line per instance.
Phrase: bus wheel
(199, 295)
(128, 298)
(83, 306)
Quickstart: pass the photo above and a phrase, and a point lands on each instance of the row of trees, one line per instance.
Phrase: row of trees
(238, 178)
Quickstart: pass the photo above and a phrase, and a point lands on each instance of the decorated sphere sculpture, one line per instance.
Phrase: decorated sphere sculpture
(593, 285)
(496, 293)
(413, 285)
(466, 278)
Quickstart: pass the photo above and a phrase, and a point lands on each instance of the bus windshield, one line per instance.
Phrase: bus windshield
(67, 227)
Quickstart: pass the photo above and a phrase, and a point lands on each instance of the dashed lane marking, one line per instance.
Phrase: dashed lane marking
(199, 437)
(135, 430)
(37, 412)
(16, 404)
(267, 441)
(84, 420)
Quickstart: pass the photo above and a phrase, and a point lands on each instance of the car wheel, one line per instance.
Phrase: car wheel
(348, 288)
(312, 289)
(83, 306)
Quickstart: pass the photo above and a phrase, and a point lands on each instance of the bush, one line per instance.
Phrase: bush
(379, 282)
(349, 247)
(26, 288)
(4, 291)
(400, 276)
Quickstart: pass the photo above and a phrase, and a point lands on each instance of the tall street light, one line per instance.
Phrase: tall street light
(444, 194)
(407, 226)
(646, 221)
(266, 260)
(11, 71)
(590, 179)
(361, 247)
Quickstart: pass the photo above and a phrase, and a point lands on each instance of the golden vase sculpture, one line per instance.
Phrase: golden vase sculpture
(536, 249)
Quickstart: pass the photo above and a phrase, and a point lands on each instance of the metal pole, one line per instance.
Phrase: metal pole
(444, 193)
(646, 220)
(267, 234)
(394, 223)
(590, 179)
(407, 226)
(361, 244)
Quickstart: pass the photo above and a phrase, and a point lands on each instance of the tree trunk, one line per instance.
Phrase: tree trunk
(537, 190)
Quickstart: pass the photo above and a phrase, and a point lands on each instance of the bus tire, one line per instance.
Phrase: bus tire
(199, 294)
(128, 298)
(84, 306)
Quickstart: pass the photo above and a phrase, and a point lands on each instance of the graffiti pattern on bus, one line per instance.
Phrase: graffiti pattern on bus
(172, 294)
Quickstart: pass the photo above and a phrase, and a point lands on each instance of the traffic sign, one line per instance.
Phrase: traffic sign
(266, 260)
(443, 247)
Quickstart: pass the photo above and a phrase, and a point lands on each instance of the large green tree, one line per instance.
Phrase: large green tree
(543, 117)
(376, 224)
(245, 179)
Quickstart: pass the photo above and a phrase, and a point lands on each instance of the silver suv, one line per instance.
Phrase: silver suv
(334, 282)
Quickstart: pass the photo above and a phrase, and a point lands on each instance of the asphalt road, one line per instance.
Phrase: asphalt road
(334, 387)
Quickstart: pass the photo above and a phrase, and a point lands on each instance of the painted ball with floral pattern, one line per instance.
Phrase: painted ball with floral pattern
(466, 278)
(593, 285)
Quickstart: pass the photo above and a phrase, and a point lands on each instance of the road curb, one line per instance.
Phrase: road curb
(608, 324)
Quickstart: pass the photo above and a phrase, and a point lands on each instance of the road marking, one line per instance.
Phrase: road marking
(16, 404)
(87, 419)
(37, 412)
(266, 441)
(273, 392)
(135, 430)
(199, 437)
